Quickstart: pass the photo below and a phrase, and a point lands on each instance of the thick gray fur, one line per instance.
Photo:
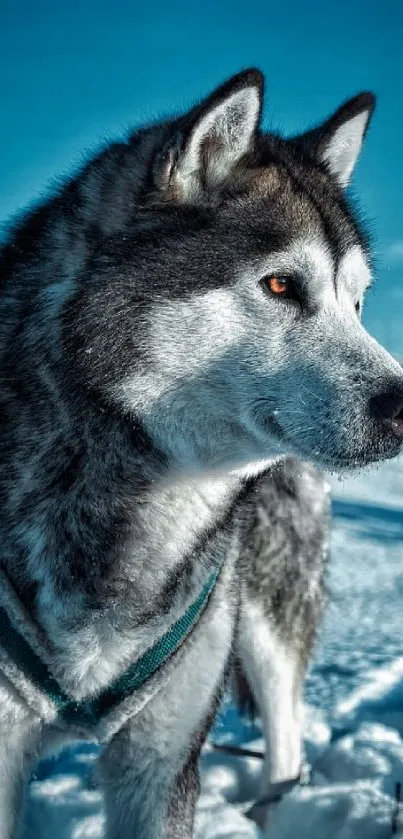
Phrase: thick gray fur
(149, 379)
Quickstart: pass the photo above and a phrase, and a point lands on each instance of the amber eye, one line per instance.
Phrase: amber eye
(282, 287)
(277, 285)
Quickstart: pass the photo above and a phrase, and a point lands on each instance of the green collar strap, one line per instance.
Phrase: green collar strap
(91, 711)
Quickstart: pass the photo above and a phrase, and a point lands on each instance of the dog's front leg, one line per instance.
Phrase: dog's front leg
(148, 795)
(20, 734)
(274, 672)
(149, 769)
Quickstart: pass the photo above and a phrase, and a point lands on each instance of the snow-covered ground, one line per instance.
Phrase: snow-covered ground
(354, 695)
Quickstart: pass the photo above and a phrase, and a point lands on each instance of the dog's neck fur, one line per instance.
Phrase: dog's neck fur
(96, 517)
(107, 489)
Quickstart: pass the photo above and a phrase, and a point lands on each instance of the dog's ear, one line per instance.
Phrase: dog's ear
(337, 142)
(209, 141)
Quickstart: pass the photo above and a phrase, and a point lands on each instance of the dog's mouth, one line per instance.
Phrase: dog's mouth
(379, 447)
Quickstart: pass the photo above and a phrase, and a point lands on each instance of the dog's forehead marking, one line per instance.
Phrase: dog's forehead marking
(265, 181)
(313, 215)
(275, 184)
(353, 271)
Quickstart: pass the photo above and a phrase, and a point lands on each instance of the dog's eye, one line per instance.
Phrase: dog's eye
(358, 307)
(277, 285)
(282, 287)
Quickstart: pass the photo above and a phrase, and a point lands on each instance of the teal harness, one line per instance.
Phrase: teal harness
(91, 711)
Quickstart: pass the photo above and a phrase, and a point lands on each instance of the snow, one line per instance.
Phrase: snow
(354, 706)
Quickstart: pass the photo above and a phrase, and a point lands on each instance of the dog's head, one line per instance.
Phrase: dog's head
(240, 292)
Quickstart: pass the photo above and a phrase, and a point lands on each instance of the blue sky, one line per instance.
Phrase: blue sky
(75, 73)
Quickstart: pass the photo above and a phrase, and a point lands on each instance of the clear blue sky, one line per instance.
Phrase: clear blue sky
(76, 72)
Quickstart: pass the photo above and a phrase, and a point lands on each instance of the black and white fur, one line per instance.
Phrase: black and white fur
(148, 380)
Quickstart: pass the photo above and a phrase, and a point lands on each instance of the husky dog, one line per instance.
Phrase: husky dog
(182, 314)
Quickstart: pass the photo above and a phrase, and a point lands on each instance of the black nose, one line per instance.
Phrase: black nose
(388, 407)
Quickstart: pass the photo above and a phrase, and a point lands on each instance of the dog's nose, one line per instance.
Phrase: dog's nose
(388, 407)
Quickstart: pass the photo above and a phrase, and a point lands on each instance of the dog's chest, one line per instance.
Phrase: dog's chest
(164, 563)
(176, 517)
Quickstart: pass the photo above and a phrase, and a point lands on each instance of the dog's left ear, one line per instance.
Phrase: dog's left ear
(337, 142)
(209, 141)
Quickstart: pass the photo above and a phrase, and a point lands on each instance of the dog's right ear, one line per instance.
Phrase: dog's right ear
(211, 139)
